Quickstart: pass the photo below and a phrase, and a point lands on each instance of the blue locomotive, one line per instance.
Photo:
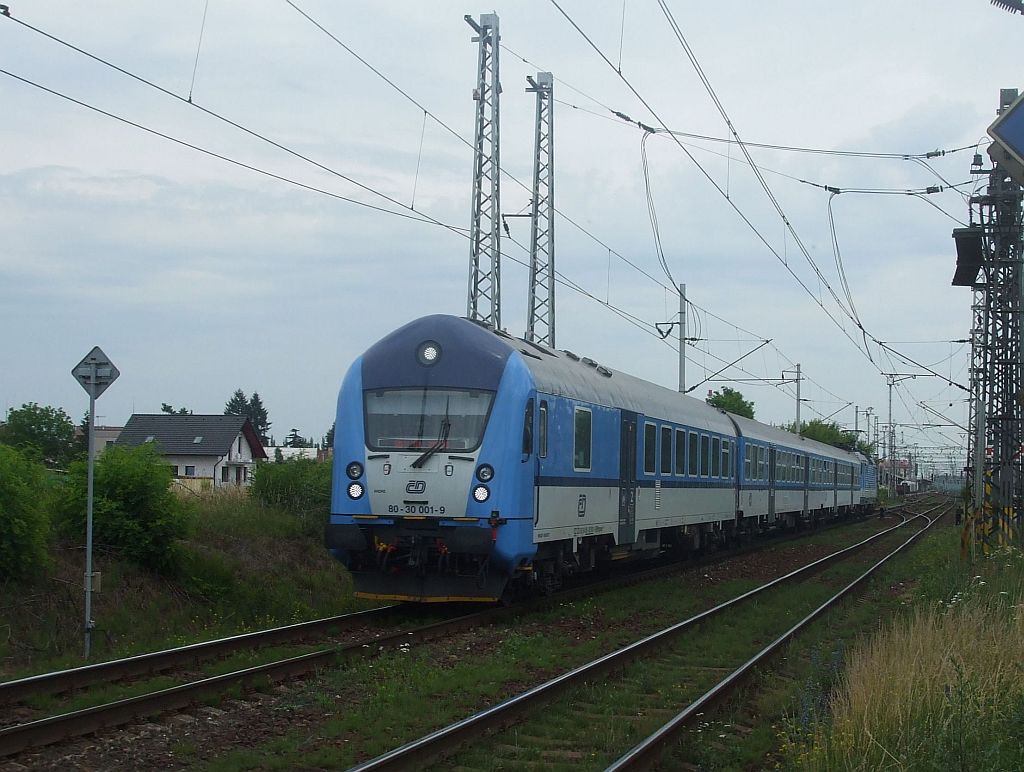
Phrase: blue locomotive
(469, 463)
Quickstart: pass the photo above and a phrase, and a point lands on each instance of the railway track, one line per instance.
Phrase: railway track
(654, 649)
(43, 731)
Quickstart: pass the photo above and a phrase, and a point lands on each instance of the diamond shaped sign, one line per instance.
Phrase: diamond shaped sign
(95, 372)
(1008, 133)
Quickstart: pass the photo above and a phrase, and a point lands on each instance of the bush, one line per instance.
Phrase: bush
(135, 514)
(24, 523)
(300, 486)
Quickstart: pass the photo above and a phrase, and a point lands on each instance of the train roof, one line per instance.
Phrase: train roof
(477, 354)
(565, 374)
(771, 434)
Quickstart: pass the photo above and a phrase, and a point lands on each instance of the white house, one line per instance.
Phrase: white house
(218, 449)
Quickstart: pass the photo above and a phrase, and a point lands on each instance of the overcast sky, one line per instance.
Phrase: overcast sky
(198, 277)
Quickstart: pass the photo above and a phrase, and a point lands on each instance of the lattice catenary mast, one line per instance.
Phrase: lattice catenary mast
(540, 322)
(484, 303)
(990, 260)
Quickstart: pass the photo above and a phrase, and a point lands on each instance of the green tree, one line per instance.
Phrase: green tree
(24, 525)
(296, 440)
(135, 513)
(329, 437)
(732, 401)
(258, 416)
(253, 409)
(238, 404)
(830, 433)
(169, 409)
(43, 431)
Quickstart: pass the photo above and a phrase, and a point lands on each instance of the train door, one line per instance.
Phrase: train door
(627, 478)
(806, 483)
(771, 485)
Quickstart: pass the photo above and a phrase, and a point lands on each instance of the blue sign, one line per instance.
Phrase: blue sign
(1008, 130)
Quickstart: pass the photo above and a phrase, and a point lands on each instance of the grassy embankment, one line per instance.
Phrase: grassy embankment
(244, 566)
(938, 687)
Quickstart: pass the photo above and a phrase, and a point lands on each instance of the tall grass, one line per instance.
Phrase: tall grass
(942, 688)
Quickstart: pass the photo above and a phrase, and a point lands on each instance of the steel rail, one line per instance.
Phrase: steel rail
(648, 751)
(436, 743)
(55, 728)
(152, 662)
(19, 737)
(158, 661)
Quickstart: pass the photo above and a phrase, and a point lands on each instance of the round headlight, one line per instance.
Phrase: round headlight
(481, 493)
(355, 490)
(429, 353)
(354, 470)
(485, 473)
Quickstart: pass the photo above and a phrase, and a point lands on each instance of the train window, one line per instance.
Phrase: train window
(782, 468)
(650, 448)
(693, 454)
(528, 429)
(542, 429)
(666, 450)
(705, 455)
(726, 458)
(746, 462)
(762, 467)
(680, 451)
(581, 440)
(716, 457)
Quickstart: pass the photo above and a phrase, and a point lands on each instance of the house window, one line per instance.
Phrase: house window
(239, 444)
(581, 439)
(174, 470)
(680, 451)
(650, 448)
(190, 471)
(225, 474)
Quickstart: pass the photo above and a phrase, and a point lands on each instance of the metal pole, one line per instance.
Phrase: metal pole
(892, 441)
(979, 465)
(88, 518)
(682, 338)
(798, 427)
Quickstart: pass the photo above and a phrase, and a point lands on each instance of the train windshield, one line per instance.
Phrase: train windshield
(422, 418)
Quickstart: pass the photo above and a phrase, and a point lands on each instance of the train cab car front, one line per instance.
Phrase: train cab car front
(427, 500)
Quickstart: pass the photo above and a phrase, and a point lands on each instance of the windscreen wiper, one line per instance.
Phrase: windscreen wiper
(442, 438)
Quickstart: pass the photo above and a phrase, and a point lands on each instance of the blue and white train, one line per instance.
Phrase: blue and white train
(469, 463)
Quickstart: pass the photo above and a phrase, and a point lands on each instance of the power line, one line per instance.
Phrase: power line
(415, 216)
(645, 326)
(731, 203)
(455, 134)
(221, 157)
